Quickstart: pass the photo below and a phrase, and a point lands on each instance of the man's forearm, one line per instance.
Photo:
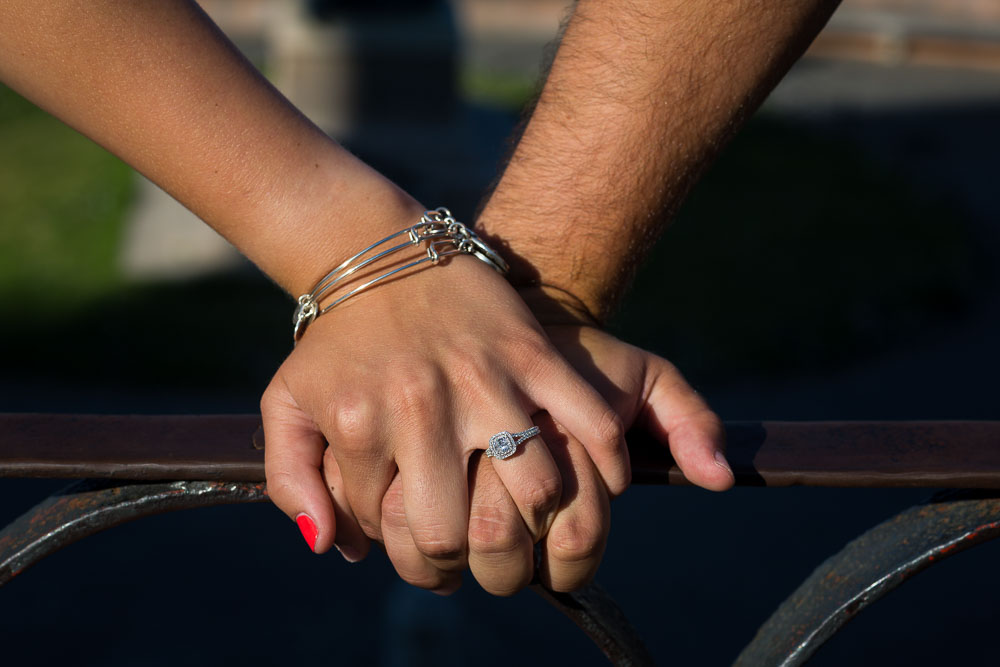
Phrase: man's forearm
(641, 95)
(157, 84)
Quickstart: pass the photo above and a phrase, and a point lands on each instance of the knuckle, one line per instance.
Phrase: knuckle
(275, 400)
(353, 417)
(437, 547)
(611, 436)
(281, 488)
(534, 343)
(268, 399)
(393, 510)
(418, 385)
(370, 528)
(416, 392)
(473, 375)
(612, 429)
(535, 353)
(576, 541)
(543, 496)
(493, 532)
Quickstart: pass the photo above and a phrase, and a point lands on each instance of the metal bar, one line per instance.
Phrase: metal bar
(90, 506)
(219, 447)
(138, 447)
(959, 454)
(598, 615)
(868, 568)
(229, 447)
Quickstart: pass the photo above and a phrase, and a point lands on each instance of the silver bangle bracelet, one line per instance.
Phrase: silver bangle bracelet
(443, 235)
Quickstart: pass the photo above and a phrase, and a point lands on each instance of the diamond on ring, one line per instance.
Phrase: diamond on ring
(503, 445)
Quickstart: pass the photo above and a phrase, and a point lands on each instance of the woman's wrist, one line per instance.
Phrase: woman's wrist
(318, 217)
(436, 236)
(335, 238)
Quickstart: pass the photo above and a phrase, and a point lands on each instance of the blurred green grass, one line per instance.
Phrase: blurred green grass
(62, 206)
(65, 307)
(508, 91)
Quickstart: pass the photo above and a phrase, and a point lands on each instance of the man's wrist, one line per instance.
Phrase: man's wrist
(548, 270)
(553, 305)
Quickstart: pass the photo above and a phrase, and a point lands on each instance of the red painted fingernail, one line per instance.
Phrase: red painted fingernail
(308, 528)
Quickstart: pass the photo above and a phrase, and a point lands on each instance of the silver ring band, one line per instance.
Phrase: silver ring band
(503, 445)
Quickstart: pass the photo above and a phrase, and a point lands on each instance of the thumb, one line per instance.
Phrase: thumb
(293, 456)
(680, 418)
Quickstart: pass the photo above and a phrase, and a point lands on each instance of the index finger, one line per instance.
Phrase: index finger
(554, 387)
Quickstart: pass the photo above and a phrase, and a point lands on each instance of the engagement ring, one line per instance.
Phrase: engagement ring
(503, 445)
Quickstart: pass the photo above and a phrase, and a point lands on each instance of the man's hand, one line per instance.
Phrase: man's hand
(649, 393)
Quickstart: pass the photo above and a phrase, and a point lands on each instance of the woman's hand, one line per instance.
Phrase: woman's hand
(416, 375)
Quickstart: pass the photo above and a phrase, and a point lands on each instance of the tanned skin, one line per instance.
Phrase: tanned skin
(369, 436)
(641, 95)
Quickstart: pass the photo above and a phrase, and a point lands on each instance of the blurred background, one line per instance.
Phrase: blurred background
(838, 262)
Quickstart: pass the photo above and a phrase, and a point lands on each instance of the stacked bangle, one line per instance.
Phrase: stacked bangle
(442, 235)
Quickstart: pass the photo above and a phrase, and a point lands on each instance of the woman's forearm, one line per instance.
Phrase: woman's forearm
(156, 83)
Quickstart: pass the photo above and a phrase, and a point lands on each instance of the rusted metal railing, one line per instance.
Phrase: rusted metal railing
(136, 466)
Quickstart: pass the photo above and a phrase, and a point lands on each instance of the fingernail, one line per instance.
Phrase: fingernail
(308, 529)
(350, 554)
(720, 460)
